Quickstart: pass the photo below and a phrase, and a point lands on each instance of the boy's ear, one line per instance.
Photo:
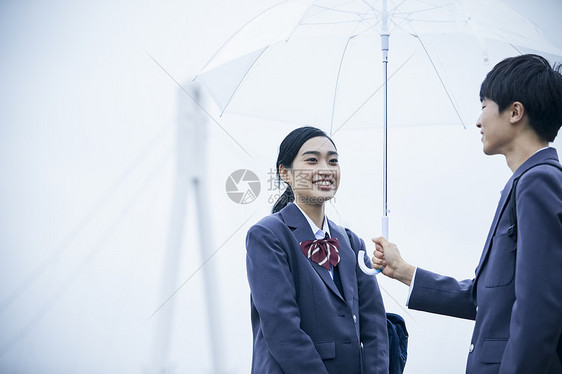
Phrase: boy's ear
(517, 112)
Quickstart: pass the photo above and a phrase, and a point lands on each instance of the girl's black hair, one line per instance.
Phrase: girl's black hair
(288, 151)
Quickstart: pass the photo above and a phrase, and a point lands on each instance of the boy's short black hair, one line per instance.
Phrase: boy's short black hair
(530, 80)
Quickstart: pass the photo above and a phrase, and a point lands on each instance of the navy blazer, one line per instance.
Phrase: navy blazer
(300, 321)
(516, 294)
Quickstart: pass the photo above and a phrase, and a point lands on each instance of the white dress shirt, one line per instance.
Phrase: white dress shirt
(318, 232)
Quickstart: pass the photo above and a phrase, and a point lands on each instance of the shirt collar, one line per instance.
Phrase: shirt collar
(318, 232)
(540, 150)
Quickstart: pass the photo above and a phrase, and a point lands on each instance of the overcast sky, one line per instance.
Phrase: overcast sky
(88, 171)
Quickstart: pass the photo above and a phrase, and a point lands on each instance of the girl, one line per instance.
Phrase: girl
(312, 309)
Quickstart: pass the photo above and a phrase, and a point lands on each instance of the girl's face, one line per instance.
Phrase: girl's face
(315, 174)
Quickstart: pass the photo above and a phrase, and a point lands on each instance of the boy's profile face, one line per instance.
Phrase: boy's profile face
(495, 127)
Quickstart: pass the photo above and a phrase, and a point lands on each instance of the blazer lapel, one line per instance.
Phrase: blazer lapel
(295, 220)
(539, 157)
(347, 263)
(491, 233)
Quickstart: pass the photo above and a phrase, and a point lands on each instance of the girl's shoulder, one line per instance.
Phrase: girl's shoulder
(271, 225)
(271, 221)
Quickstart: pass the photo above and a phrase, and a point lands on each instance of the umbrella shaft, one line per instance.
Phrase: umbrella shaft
(384, 145)
(384, 48)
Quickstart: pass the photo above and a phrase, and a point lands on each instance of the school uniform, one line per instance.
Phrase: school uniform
(516, 294)
(301, 321)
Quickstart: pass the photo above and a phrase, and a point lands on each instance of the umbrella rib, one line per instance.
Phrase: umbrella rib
(338, 75)
(366, 20)
(338, 10)
(394, 14)
(432, 7)
(371, 96)
(406, 16)
(391, 17)
(442, 83)
(335, 23)
(371, 26)
(325, 9)
(431, 21)
(298, 23)
(243, 78)
(395, 9)
(516, 49)
(376, 13)
(337, 84)
(520, 35)
(198, 104)
(237, 31)
(536, 25)
(371, 7)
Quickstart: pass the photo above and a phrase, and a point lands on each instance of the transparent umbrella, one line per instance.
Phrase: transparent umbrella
(326, 62)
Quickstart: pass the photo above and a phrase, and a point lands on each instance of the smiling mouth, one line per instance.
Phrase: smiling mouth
(324, 182)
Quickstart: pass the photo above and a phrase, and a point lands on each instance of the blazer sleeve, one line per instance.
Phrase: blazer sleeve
(439, 294)
(372, 317)
(536, 324)
(274, 297)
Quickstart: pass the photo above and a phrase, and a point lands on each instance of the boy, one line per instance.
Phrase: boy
(516, 294)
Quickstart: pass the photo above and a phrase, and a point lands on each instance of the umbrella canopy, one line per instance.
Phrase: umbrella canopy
(324, 62)
(320, 61)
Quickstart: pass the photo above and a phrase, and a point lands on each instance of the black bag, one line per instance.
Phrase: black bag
(397, 343)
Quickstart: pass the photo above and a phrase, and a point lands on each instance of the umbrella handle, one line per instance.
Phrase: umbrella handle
(363, 267)
(361, 254)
